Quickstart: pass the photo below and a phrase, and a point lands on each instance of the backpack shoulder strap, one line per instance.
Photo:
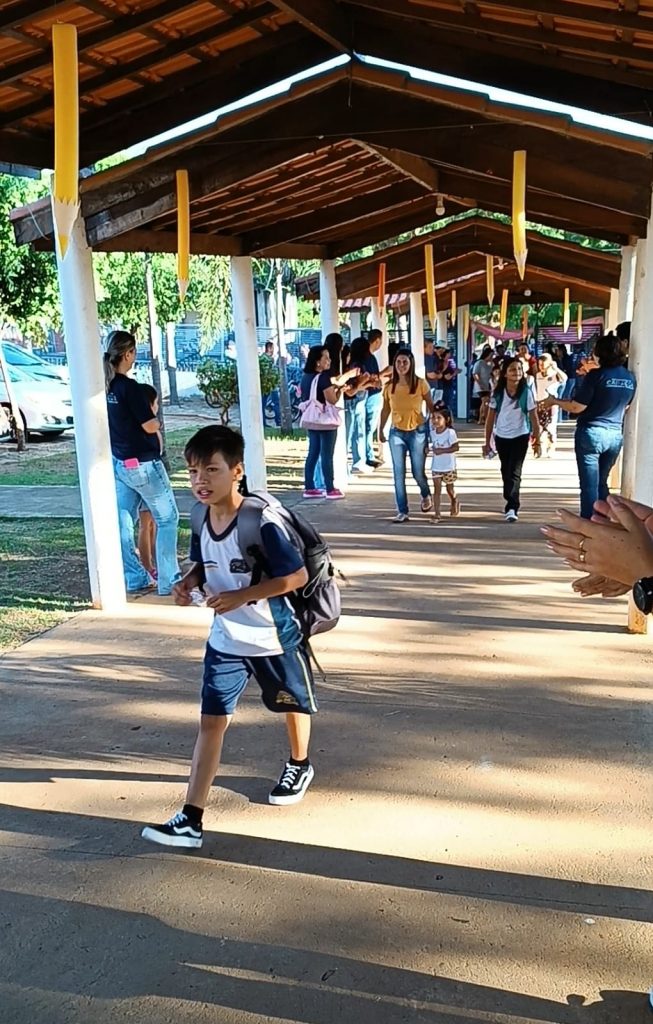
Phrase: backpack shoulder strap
(198, 514)
(250, 540)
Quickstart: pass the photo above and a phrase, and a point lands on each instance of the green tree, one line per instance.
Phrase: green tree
(28, 279)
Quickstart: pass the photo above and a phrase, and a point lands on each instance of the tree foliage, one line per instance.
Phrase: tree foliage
(28, 279)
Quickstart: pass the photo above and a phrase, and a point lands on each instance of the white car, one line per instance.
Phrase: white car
(20, 359)
(45, 405)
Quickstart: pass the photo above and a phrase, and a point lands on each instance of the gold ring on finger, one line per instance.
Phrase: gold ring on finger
(582, 556)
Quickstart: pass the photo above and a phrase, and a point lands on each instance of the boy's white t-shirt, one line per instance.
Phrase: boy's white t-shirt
(443, 463)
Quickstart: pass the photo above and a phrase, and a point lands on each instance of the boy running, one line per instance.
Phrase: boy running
(255, 632)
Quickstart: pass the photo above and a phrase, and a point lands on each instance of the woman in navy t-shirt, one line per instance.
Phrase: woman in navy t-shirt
(600, 401)
(140, 474)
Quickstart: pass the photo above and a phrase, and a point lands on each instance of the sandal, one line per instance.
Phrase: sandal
(455, 507)
(426, 505)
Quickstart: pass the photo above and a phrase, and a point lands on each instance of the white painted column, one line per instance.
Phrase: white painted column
(417, 331)
(380, 322)
(462, 319)
(441, 332)
(96, 479)
(637, 472)
(627, 283)
(249, 381)
(612, 313)
(355, 324)
(330, 324)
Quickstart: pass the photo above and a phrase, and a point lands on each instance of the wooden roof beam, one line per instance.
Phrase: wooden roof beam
(408, 164)
(323, 18)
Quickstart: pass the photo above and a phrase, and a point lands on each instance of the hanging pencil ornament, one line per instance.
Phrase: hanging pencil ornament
(454, 308)
(524, 323)
(503, 316)
(579, 321)
(565, 312)
(519, 210)
(489, 279)
(183, 232)
(381, 287)
(430, 287)
(65, 185)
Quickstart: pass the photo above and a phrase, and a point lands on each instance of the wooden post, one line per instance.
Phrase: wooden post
(249, 380)
(96, 480)
(355, 324)
(417, 331)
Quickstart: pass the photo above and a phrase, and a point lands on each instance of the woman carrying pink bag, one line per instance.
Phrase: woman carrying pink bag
(321, 418)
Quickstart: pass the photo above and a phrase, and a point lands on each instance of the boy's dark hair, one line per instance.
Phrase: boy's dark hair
(214, 440)
(623, 331)
(151, 393)
(374, 334)
(609, 351)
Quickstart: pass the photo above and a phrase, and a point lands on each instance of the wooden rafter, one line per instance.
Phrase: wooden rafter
(322, 17)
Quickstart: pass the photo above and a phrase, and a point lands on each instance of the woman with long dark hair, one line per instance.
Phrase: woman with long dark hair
(321, 386)
(359, 358)
(601, 399)
(140, 474)
(403, 399)
(512, 416)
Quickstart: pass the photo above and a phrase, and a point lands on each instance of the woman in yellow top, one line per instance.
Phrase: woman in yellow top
(403, 399)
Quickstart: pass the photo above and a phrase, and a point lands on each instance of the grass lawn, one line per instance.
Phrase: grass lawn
(284, 458)
(43, 575)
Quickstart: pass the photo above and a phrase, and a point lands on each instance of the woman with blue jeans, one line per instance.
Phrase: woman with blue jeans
(321, 443)
(601, 399)
(403, 399)
(139, 472)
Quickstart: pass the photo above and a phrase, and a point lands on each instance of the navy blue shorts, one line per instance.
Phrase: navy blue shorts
(286, 681)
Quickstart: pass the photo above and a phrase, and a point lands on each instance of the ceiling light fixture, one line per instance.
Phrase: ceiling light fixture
(439, 204)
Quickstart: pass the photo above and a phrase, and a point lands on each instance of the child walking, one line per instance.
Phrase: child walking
(444, 445)
(255, 632)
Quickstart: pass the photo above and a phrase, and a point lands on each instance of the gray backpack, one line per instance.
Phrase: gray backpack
(318, 603)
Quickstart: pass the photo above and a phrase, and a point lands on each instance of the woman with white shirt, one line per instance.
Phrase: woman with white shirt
(512, 416)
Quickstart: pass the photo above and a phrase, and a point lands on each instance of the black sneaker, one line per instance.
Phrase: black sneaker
(179, 831)
(293, 783)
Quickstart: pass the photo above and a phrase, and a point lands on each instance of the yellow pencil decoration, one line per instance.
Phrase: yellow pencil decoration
(579, 321)
(524, 323)
(183, 232)
(454, 307)
(565, 312)
(503, 316)
(430, 286)
(65, 185)
(489, 277)
(519, 210)
(381, 293)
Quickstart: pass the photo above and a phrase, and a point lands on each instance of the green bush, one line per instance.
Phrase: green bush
(218, 382)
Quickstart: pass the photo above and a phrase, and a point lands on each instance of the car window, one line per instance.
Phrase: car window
(15, 357)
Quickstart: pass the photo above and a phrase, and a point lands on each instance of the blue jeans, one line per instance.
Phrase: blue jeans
(149, 482)
(355, 427)
(413, 443)
(373, 406)
(321, 446)
(597, 450)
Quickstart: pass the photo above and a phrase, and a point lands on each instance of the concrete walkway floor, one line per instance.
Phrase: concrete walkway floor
(476, 846)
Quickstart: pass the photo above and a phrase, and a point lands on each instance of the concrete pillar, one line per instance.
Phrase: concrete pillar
(627, 283)
(417, 331)
(355, 324)
(441, 332)
(462, 322)
(249, 381)
(637, 472)
(96, 480)
(380, 322)
(612, 313)
(330, 324)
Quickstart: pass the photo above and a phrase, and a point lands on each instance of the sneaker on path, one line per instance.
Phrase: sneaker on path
(314, 493)
(334, 495)
(293, 783)
(177, 832)
(511, 516)
(401, 517)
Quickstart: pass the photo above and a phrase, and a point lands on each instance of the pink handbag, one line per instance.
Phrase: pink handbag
(318, 415)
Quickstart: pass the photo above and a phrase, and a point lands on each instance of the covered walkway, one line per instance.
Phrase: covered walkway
(476, 845)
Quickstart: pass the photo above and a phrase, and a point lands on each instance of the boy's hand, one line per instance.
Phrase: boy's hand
(181, 592)
(227, 601)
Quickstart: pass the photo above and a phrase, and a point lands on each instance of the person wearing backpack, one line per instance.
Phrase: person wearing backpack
(512, 416)
(257, 629)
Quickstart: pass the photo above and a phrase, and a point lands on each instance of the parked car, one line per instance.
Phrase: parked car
(5, 425)
(45, 405)
(21, 359)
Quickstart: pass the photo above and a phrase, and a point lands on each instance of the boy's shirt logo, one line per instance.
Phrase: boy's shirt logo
(238, 565)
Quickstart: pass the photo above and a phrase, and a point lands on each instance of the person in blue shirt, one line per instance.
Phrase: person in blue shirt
(600, 401)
